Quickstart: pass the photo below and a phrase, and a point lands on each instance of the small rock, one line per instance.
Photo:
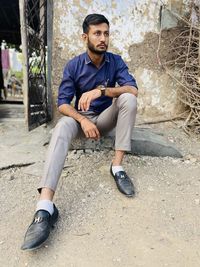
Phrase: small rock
(171, 139)
(189, 156)
(197, 201)
(193, 160)
(101, 185)
(107, 191)
(150, 188)
(88, 151)
(118, 259)
(12, 177)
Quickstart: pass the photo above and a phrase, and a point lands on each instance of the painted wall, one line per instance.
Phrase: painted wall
(134, 35)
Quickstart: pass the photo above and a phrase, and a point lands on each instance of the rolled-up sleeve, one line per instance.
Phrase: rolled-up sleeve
(67, 86)
(123, 77)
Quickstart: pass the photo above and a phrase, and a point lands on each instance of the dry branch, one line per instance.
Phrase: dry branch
(183, 64)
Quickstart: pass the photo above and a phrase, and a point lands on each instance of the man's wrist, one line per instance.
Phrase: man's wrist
(99, 90)
(81, 119)
(102, 90)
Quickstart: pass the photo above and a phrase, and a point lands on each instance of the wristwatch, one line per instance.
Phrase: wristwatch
(102, 89)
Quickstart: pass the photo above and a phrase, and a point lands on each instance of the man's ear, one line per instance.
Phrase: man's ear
(84, 37)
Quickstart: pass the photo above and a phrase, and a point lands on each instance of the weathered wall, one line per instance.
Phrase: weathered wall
(134, 35)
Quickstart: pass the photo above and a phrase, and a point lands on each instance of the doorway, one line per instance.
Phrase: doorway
(36, 25)
(26, 26)
(11, 74)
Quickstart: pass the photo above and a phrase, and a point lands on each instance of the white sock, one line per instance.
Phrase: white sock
(117, 169)
(45, 205)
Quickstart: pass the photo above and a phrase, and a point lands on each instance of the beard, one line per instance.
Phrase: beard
(95, 50)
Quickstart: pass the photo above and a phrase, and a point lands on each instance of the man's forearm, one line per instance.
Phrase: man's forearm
(117, 91)
(70, 111)
(89, 128)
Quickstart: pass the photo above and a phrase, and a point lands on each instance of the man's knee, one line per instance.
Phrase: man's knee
(65, 122)
(65, 125)
(128, 100)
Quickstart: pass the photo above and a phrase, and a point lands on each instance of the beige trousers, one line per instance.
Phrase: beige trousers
(121, 114)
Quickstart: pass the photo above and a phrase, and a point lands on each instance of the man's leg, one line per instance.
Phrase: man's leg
(122, 114)
(66, 130)
(46, 212)
(119, 155)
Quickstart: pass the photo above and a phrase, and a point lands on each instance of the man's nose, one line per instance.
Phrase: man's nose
(102, 38)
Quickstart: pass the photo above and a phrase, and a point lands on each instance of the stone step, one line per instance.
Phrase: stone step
(144, 142)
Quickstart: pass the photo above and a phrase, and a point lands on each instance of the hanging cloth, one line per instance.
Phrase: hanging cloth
(5, 59)
(1, 74)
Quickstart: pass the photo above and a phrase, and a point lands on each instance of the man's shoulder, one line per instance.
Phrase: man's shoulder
(113, 56)
(77, 59)
(75, 63)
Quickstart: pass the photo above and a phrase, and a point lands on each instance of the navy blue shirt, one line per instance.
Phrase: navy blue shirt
(81, 75)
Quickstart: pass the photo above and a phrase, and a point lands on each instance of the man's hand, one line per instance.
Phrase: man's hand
(89, 128)
(87, 98)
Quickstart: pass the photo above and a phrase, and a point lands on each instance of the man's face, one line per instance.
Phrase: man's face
(97, 38)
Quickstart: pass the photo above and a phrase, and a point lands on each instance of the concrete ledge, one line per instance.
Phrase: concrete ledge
(144, 142)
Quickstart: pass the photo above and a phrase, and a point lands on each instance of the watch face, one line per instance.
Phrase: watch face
(103, 90)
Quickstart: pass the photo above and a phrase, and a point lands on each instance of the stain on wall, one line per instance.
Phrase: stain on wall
(134, 27)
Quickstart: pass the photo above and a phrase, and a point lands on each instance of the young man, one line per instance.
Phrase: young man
(99, 107)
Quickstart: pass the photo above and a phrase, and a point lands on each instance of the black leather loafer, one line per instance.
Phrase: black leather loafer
(124, 183)
(39, 230)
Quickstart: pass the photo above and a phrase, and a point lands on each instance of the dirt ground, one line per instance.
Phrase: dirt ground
(98, 226)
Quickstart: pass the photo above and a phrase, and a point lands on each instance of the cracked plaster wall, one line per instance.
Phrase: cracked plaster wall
(134, 26)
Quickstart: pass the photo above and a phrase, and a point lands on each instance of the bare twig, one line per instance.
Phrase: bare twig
(183, 65)
(178, 117)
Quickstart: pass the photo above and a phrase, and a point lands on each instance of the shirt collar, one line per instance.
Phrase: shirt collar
(88, 60)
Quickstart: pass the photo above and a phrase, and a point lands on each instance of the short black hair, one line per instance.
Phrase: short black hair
(93, 19)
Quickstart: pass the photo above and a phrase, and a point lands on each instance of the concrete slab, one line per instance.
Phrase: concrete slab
(144, 142)
(18, 146)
